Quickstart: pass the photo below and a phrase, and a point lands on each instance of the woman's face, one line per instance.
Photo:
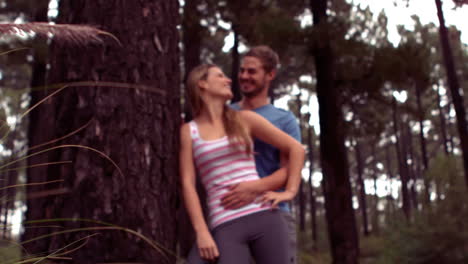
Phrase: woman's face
(217, 84)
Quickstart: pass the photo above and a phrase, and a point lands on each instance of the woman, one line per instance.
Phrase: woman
(217, 146)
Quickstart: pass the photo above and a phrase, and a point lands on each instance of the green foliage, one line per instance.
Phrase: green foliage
(316, 258)
(439, 233)
(8, 252)
(371, 247)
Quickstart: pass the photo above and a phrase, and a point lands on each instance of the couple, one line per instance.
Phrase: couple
(217, 146)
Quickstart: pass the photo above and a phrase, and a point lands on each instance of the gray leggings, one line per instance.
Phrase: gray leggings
(263, 235)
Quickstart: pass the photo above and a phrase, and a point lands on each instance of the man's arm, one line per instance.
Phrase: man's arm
(246, 192)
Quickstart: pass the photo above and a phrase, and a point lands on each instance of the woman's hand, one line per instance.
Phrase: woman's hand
(207, 246)
(277, 197)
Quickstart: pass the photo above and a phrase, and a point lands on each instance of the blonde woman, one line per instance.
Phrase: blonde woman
(217, 146)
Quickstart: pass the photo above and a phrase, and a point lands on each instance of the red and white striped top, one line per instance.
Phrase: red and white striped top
(220, 164)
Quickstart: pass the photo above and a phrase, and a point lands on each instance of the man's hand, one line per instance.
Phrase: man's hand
(240, 195)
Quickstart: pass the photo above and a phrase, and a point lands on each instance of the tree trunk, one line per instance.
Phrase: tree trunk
(313, 200)
(418, 88)
(454, 88)
(375, 215)
(39, 127)
(413, 174)
(449, 128)
(302, 195)
(391, 177)
(402, 165)
(362, 188)
(192, 40)
(443, 126)
(337, 188)
(423, 144)
(136, 128)
(235, 66)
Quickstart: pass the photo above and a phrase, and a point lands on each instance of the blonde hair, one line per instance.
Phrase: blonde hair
(235, 128)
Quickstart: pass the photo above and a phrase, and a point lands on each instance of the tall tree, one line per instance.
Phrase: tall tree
(235, 65)
(454, 86)
(361, 187)
(136, 128)
(337, 188)
(192, 33)
(312, 194)
(402, 163)
(301, 195)
(442, 122)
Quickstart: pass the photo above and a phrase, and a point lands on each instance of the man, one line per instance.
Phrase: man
(257, 71)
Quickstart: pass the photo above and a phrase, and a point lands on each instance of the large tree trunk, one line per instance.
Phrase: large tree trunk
(454, 88)
(136, 128)
(337, 188)
(362, 188)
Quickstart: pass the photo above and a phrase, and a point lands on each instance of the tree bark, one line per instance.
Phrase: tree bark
(136, 128)
(454, 88)
(337, 188)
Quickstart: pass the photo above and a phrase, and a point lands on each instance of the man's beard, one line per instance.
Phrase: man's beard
(258, 89)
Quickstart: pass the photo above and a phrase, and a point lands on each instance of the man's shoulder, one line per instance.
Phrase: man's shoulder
(277, 113)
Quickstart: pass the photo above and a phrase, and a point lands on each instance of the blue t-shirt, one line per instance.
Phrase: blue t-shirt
(267, 157)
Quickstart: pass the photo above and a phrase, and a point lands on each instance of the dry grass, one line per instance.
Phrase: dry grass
(72, 34)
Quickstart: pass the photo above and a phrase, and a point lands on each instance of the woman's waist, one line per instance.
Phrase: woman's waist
(215, 187)
(218, 214)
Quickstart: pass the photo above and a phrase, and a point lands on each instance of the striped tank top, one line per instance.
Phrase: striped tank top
(219, 164)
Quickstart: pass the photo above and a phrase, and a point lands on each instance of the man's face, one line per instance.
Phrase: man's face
(252, 77)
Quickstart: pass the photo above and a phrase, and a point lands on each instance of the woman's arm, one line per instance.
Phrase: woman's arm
(206, 245)
(267, 132)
